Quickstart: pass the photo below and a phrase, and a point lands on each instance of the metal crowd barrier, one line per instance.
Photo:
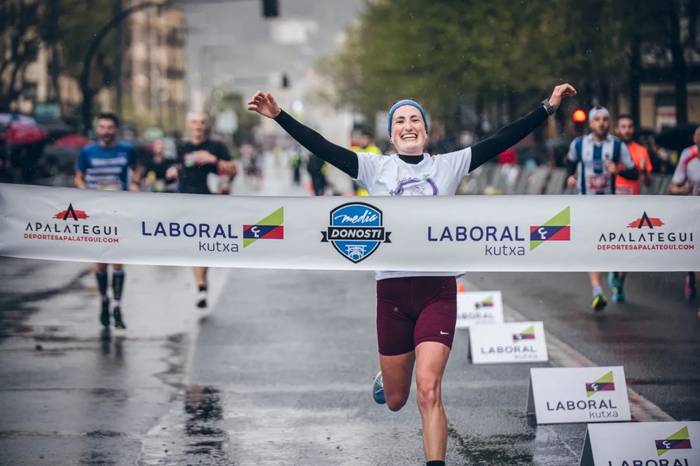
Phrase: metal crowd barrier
(492, 178)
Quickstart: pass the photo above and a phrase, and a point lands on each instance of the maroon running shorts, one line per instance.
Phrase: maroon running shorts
(412, 310)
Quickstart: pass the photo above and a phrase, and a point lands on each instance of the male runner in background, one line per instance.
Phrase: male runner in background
(642, 162)
(686, 180)
(197, 159)
(155, 169)
(108, 165)
(592, 162)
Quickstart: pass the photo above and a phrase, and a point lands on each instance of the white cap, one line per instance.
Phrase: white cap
(597, 110)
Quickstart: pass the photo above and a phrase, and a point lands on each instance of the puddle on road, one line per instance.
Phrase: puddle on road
(203, 415)
(16, 307)
(191, 434)
(493, 450)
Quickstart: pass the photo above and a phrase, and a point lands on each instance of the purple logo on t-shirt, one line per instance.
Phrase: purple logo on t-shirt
(416, 186)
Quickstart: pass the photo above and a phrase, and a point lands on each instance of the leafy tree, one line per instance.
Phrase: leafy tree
(19, 46)
(454, 54)
(63, 27)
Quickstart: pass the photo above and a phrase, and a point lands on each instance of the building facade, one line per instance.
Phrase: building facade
(153, 87)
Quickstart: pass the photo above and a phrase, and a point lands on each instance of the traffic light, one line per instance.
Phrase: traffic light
(579, 116)
(271, 8)
(285, 81)
(579, 119)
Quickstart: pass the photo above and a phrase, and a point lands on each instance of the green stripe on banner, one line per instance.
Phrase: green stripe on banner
(276, 218)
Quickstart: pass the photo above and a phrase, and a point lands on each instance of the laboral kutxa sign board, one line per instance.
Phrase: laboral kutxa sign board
(578, 394)
(642, 444)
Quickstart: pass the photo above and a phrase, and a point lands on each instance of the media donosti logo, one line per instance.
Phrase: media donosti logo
(557, 228)
(604, 384)
(271, 227)
(527, 334)
(356, 230)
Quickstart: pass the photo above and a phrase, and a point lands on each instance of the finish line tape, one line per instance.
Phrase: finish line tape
(422, 234)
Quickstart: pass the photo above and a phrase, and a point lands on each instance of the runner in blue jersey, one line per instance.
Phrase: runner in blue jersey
(108, 165)
(593, 161)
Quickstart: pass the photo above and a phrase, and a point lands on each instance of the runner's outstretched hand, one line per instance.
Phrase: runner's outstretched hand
(559, 93)
(264, 104)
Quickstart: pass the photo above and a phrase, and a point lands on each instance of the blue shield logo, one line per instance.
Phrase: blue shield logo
(356, 230)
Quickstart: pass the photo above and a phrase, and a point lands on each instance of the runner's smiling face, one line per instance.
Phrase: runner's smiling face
(408, 131)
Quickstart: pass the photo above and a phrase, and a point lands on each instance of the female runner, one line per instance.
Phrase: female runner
(416, 311)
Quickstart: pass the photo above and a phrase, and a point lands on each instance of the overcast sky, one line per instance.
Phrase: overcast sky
(231, 44)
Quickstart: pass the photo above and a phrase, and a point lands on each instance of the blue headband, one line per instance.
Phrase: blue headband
(401, 103)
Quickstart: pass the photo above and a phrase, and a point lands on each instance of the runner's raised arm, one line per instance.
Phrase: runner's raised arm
(511, 134)
(346, 160)
(338, 156)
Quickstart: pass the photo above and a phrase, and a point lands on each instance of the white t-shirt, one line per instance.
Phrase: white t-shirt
(436, 175)
(688, 169)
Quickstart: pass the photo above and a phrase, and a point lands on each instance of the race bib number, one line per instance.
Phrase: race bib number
(625, 189)
(598, 183)
(190, 159)
(112, 186)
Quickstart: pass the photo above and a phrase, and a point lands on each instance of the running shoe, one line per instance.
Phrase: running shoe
(104, 312)
(378, 389)
(618, 296)
(118, 321)
(616, 285)
(689, 288)
(599, 302)
(202, 299)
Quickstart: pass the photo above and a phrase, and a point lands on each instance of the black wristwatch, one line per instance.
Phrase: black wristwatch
(548, 107)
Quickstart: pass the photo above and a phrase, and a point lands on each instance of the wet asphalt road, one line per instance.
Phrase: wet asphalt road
(655, 334)
(287, 380)
(71, 393)
(281, 371)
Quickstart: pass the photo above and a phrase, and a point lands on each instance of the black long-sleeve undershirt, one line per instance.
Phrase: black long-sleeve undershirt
(338, 156)
(346, 160)
(507, 136)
